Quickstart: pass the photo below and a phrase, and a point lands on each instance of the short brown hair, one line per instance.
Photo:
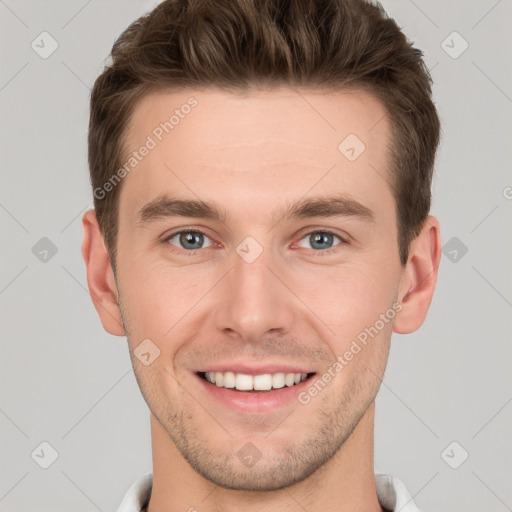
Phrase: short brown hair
(242, 44)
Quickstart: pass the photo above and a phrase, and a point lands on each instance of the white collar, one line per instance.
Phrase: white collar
(391, 492)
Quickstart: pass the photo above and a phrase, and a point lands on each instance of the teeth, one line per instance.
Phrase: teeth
(229, 380)
(278, 380)
(289, 379)
(219, 379)
(243, 382)
(264, 382)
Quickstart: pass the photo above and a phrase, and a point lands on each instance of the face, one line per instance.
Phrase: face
(295, 258)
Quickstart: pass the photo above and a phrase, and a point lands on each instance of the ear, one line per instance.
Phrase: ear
(100, 276)
(419, 278)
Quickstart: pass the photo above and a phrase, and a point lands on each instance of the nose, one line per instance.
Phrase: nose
(255, 300)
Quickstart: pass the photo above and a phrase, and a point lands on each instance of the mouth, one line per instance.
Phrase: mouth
(254, 392)
(254, 384)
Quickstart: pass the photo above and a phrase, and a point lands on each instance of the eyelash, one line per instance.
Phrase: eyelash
(324, 252)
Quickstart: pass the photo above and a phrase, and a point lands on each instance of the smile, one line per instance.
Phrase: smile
(262, 382)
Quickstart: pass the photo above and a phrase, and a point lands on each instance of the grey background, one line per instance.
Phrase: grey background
(67, 382)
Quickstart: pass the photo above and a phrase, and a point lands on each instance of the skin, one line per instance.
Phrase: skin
(295, 303)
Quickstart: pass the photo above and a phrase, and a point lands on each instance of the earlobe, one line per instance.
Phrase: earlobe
(419, 278)
(100, 276)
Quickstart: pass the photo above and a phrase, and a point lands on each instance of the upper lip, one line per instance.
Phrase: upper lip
(252, 369)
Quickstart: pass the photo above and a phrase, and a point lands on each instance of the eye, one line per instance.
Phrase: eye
(320, 240)
(189, 239)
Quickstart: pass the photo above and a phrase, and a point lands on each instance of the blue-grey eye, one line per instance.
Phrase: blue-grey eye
(190, 240)
(320, 240)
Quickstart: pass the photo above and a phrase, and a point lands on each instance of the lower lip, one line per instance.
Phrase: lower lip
(255, 401)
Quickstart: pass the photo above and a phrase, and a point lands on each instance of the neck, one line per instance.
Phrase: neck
(346, 482)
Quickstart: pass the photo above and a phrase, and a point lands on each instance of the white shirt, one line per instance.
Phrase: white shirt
(391, 492)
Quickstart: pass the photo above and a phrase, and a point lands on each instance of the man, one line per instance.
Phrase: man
(261, 173)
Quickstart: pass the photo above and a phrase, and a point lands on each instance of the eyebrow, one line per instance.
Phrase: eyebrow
(339, 206)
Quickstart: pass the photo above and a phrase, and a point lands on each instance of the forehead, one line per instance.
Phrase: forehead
(281, 141)
(219, 118)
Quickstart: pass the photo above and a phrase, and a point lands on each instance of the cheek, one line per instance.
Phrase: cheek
(353, 301)
(350, 297)
(157, 298)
